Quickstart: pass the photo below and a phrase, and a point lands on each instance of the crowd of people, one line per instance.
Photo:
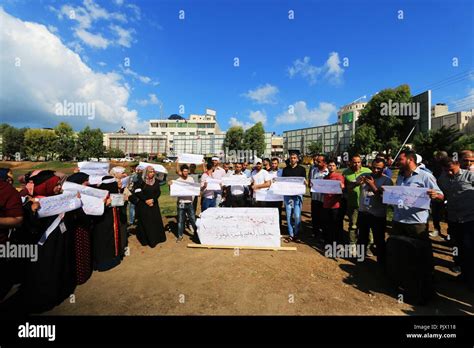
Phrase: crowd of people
(72, 245)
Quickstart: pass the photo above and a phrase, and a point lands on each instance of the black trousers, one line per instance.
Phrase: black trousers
(367, 222)
(332, 226)
(238, 201)
(317, 216)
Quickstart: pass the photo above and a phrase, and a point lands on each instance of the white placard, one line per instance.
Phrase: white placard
(58, 204)
(90, 191)
(103, 166)
(157, 167)
(92, 205)
(213, 184)
(190, 158)
(265, 195)
(326, 186)
(406, 196)
(288, 186)
(184, 189)
(96, 179)
(250, 227)
(236, 180)
(117, 199)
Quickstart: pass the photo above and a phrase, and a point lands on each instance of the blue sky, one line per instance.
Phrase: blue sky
(190, 62)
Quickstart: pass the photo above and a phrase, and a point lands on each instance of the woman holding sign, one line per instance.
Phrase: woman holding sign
(150, 229)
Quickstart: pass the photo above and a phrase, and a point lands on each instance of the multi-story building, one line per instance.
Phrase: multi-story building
(273, 145)
(463, 121)
(439, 109)
(177, 125)
(350, 113)
(206, 144)
(134, 144)
(334, 138)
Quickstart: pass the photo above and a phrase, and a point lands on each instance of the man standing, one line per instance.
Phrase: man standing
(274, 172)
(245, 170)
(332, 221)
(458, 187)
(261, 179)
(208, 199)
(467, 160)
(237, 192)
(437, 207)
(185, 205)
(351, 196)
(317, 171)
(217, 173)
(372, 212)
(293, 204)
(411, 221)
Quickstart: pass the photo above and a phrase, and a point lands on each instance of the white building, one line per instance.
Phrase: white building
(206, 144)
(196, 125)
(134, 144)
(463, 121)
(350, 113)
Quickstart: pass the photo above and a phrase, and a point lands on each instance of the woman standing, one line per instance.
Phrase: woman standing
(109, 238)
(150, 229)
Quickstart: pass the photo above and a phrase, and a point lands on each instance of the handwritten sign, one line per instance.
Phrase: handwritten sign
(240, 227)
(117, 200)
(92, 205)
(183, 189)
(326, 186)
(103, 166)
(406, 196)
(213, 184)
(288, 186)
(157, 167)
(85, 190)
(190, 158)
(58, 204)
(236, 180)
(265, 195)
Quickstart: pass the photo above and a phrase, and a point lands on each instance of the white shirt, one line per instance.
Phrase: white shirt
(260, 178)
(185, 199)
(237, 189)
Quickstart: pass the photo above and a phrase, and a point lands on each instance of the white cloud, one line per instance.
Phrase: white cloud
(50, 73)
(102, 63)
(52, 29)
(331, 70)
(90, 39)
(263, 94)
(300, 113)
(234, 122)
(465, 103)
(137, 76)
(136, 11)
(85, 16)
(124, 36)
(119, 2)
(258, 116)
(305, 69)
(152, 100)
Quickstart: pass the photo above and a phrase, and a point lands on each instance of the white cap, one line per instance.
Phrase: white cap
(215, 158)
(257, 160)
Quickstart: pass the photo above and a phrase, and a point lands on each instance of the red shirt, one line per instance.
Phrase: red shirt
(10, 206)
(331, 200)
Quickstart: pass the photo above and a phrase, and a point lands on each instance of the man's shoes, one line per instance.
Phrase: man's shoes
(455, 269)
(434, 234)
(179, 239)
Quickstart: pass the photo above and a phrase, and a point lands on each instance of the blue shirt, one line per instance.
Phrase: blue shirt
(422, 179)
(247, 173)
(388, 172)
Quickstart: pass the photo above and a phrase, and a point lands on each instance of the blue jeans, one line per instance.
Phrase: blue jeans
(131, 213)
(183, 210)
(208, 203)
(293, 208)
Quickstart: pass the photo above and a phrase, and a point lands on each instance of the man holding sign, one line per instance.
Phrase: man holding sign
(407, 220)
(317, 171)
(293, 204)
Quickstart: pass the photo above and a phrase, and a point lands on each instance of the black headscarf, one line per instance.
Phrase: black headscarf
(78, 178)
(111, 187)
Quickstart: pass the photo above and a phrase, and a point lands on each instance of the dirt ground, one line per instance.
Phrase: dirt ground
(172, 279)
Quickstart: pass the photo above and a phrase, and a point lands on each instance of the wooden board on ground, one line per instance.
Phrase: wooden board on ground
(202, 246)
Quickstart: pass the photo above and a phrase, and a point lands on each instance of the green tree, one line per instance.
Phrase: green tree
(65, 142)
(115, 153)
(390, 131)
(40, 143)
(443, 139)
(254, 139)
(365, 140)
(315, 148)
(234, 138)
(90, 143)
(465, 142)
(12, 140)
